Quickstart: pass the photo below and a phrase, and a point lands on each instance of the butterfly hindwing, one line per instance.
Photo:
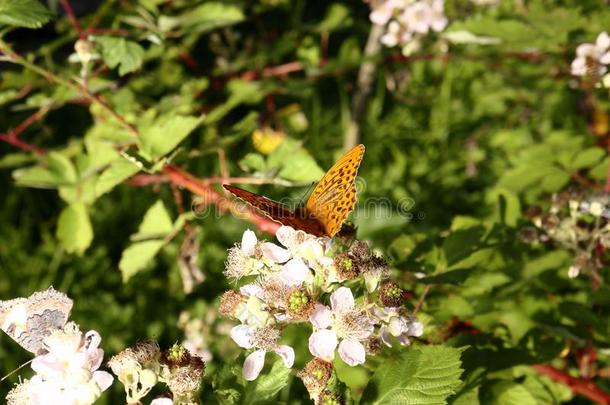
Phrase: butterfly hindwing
(278, 212)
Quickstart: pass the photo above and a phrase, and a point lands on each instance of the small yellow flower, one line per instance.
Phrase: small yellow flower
(267, 139)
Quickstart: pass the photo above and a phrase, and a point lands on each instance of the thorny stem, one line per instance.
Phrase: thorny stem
(72, 17)
(12, 137)
(580, 386)
(210, 196)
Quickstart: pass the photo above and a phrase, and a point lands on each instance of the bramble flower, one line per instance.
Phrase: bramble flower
(394, 323)
(290, 282)
(346, 322)
(315, 377)
(137, 369)
(407, 21)
(264, 339)
(68, 373)
(592, 59)
(182, 372)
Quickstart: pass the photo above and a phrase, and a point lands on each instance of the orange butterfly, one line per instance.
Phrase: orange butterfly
(328, 205)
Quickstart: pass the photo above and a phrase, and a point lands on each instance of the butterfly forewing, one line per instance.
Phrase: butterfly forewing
(335, 195)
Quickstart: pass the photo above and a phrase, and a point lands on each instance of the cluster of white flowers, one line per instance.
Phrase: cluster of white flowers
(67, 373)
(291, 281)
(593, 59)
(408, 21)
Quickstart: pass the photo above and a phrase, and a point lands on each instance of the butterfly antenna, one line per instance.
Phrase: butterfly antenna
(15, 370)
(302, 199)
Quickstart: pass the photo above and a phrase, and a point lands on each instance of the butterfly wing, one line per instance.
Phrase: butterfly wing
(29, 320)
(279, 212)
(335, 195)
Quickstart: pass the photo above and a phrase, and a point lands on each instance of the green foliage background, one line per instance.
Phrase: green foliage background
(473, 134)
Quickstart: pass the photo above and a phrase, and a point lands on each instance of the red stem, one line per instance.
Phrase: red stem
(27, 147)
(183, 179)
(12, 137)
(72, 17)
(577, 385)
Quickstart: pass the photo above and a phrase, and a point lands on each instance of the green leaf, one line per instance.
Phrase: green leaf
(211, 15)
(166, 133)
(74, 228)
(23, 13)
(58, 171)
(295, 163)
(462, 243)
(156, 223)
(119, 171)
(507, 393)
(125, 54)
(149, 239)
(137, 256)
(424, 375)
(337, 16)
(266, 386)
(587, 158)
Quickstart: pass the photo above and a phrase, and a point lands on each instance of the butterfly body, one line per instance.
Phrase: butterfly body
(328, 206)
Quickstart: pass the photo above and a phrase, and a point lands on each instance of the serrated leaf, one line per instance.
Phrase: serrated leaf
(23, 13)
(125, 54)
(119, 171)
(166, 133)
(137, 256)
(74, 229)
(266, 386)
(425, 375)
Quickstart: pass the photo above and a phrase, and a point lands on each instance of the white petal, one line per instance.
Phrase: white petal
(250, 290)
(285, 235)
(385, 336)
(579, 66)
(416, 329)
(322, 344)
(603, 41)
(294, 272)
(103, 379)
(93, 340)
(253, 365)
(352, 352)
(605, 59)
(404, 340)
(248, 242)
(342, 299)
(286, 353)
(162, 401)
(275, 253)
(321, 317)
(242, 335)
